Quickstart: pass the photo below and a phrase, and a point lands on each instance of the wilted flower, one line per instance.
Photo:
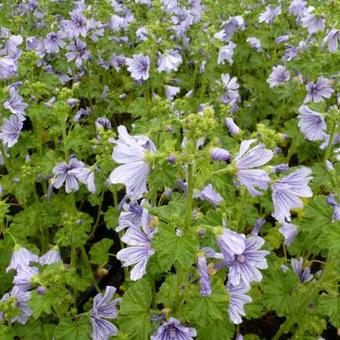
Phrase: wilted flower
(304, 275)
(232, 127)
(219, 154)
(52, 256)
(138, 66)
(319, 90)
(226, 53)
(289, 231)
(210, 195)
(270, 14)
(237, 300)
(286, 193)
(169, 61)
(331, 39)
(204, 275)
(10, 130)
(139, 250)
(21, 258)
(336, 207)
(104, 308)
(278, 76)
(131, 151)
(16, 104)
(173, 330)
(246, 160)
(311, 123)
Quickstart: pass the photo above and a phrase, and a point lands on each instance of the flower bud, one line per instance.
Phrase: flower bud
(219, 154)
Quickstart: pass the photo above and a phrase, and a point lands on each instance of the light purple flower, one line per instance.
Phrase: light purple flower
(103, 123)
(226, 53)
(312, 124)
(54, 41)
(70, 174)
(278, 76)
(244, 267)
(237, 300)
(171, 91)
(139, 250)
(138, 66)
(283, 38)
(21, 300)
(10, 130)
(76, 26)
(255, 43)
(23, 277)
(16, 104)
(205, 281)
(336, 207)
(332, 38)
(249, 158)
(169, 61)
(286, 193)
(210, 195)
(230, 243)
(269, 14)
(319, 90)
(8, 68)
(259, 223)
(234, 130)
(312, 22)
(77, 51)
(104, 308)
(304, 275)
(231, 87)
(219, 154)
(21, 258)
(131, 151)
(173, 330)
(52, 256)
(289, 231)
(132, 216)
(142, 33)
(297, 7)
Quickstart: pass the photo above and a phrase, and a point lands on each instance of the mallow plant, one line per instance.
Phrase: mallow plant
(169, 169)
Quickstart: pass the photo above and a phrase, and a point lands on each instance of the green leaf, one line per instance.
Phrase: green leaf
(79, 329)
(111, 218)
(40, 303)
(168, 292)
(134, 314)
(173, 246)
(99, 251)
(330, 306)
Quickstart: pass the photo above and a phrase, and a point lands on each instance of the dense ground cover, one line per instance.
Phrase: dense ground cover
(169, 169)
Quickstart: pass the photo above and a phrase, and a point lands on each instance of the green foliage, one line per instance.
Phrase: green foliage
(99, 251)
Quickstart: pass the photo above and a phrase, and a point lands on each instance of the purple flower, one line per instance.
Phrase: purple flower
(282, 38)
(139, 66)
(244, 267)
(204, 276)
(20, 301)
(304, 275)
(139, 250)
(226, 53)
(270, 14)
(131, 152)
(52, 256)
(16, 104)
(286, 193)
(104, 308)
(255, 43)
(336, 207)
(103, 123)
(230, 243)
(331, 39)
(133, 216)
(54, 41)
(318, 91)
(77, 51)
(8, 68)
(69, 173)
(210, 195)
(289, 231)
(173, 330)
(23, 277)
(10, 130)
(231, 87)
(312, 124)
(237, 300)
(297, 7)
(259, 223)
(219, 154)
(171, 91)
(246, 160)
(278, 76)
(169, 61)
(76, 26)
(280, 168)
(313, 23)
(234, 130)
(21, 258)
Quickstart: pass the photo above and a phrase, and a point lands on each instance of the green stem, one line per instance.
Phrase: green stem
(64, 139)
(240, 214)
(4, 156)
(88, 264)
(331, 140)
(190, 188)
